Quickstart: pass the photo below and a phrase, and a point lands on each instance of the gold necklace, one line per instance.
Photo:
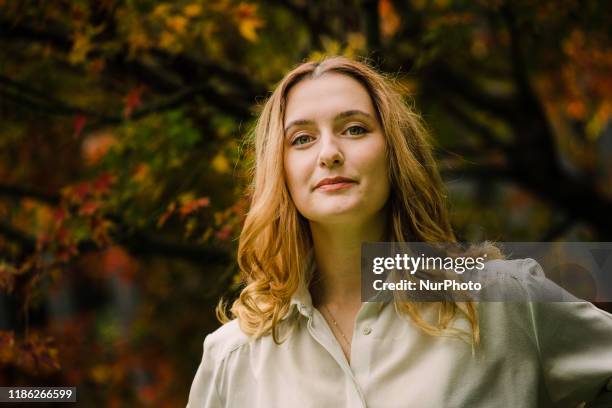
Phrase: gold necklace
(337, 326)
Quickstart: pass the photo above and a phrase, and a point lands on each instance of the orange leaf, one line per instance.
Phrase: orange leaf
(192, 206)
(178, 24)
(7, 346)
(248, 21)
(389, 20)
(95, 146)
(164, 217)
(7, 284)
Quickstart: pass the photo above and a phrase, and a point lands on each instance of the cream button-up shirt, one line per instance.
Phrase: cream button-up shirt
(531, 355)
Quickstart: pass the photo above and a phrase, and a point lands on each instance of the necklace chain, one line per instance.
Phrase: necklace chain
(337, 326)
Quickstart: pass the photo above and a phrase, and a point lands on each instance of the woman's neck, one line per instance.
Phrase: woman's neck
(337, 252)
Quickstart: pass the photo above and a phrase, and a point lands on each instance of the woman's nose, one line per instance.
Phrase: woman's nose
(330, 154)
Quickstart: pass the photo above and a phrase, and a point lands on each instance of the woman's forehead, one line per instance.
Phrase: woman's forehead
(327, 95)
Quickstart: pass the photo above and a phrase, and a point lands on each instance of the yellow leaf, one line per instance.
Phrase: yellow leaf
(330, 46)
(220, 164)
(161, 10)
(248, 22)
(177, 23)
(219, 6)
(316, 56)
(186, 197)
(138, 40)
(141, 173)
(356, 41)
(193, 10)
(100, 373)
(208, 30)
(80, 48)
(248, 30)
(166, 40)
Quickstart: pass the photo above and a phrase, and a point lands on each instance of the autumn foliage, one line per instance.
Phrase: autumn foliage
(123, 171)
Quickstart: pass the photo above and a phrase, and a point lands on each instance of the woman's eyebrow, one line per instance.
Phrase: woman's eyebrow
(342, 115)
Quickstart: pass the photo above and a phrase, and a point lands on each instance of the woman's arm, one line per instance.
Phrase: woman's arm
(203, 393)
(575, 345)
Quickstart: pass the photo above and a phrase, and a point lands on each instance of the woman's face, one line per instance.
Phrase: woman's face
(332, 131)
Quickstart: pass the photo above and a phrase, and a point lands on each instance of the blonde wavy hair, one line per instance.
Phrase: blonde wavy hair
(275, 238)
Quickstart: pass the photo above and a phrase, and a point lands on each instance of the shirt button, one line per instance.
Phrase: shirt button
(366, 331)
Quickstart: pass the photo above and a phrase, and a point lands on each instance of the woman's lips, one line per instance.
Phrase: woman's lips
(336, 186)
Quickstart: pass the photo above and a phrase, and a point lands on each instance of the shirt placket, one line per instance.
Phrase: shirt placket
(320, 331)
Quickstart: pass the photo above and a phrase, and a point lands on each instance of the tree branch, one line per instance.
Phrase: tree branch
(580, 201)
(25, 192)
(235, 104)
(32, 99)
(139, 242)
(27, 243)
(476, 172)
(485, 134)
(441, 79)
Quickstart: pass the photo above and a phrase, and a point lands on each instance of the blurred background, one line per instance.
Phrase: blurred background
(122, 169)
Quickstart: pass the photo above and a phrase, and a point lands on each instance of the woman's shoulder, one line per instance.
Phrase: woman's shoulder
(515, 280)
(521, 285)
(223, 341)
(521, 269)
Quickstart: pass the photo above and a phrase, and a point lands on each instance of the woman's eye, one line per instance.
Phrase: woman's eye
(361, 130)
(301, 140)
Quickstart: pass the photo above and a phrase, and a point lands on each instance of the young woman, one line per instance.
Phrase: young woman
(340, 159)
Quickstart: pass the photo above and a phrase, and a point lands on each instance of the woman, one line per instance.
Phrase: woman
(340, 159)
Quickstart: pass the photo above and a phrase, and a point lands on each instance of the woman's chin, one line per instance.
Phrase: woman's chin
(338, 215)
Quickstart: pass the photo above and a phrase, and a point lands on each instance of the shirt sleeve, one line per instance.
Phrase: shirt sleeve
(203, 392)
(574, 341)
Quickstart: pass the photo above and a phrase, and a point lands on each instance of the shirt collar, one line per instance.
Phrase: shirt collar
(302, 298)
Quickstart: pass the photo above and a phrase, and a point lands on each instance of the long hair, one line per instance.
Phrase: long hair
(276, 239)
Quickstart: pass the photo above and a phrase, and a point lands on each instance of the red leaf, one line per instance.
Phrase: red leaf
(82, 190)
(102, 184)
(224, 234)
(79, 123)
(62, 235)
(37, 355)
(60, 215)
(133, 100)
(89, 208)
